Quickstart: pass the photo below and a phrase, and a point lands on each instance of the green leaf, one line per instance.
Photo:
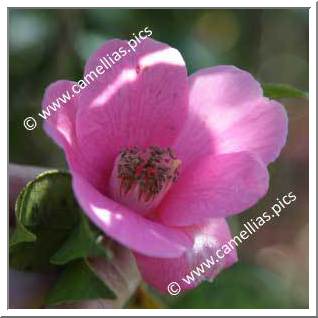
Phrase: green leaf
(52, 230)
(20, 234)
(277, 91)
(46, 211)
(82, 242)
(51, 225)
(78, 282)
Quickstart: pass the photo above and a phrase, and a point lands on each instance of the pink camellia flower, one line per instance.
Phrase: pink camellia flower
(159, 159)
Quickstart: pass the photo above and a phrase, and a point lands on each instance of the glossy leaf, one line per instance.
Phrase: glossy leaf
(277, 91)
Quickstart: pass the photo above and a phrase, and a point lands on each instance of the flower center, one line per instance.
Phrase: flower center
(141, 178)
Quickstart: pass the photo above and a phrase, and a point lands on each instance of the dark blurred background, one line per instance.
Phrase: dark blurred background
(272, 44)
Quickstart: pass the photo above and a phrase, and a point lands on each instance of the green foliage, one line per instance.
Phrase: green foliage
(52, 230)
(46, 211)
(21, 234)
(83, 241)
(277, 91)
(77, 282)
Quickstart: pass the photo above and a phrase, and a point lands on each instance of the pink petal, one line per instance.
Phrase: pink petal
(141, 101)
(228, 103)
(262, 131)
(127, 227)
(160, 272)
(215, 186)
(60, 125)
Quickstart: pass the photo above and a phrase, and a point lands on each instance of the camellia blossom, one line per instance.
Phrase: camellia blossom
(159, 159)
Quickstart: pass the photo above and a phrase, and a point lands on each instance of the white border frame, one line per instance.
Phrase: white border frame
(312, 160)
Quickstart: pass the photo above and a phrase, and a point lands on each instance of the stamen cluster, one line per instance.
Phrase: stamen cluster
(151, 169)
